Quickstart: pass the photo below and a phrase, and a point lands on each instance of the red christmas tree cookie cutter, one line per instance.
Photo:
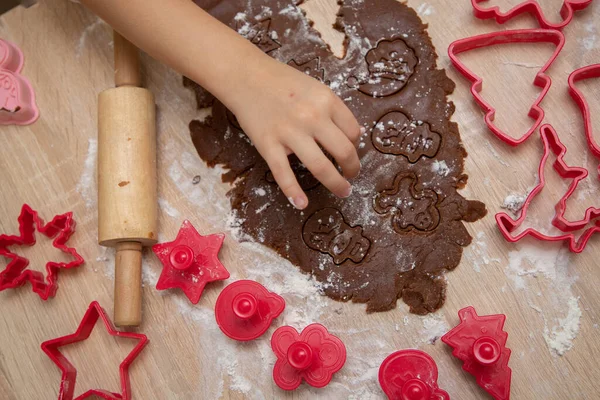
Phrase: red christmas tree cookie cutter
(589, 72)
(313, 355)
(410, 375)
(16, 272)
(245, 310)
(69, 373)
(480, 343)
(532, 7)
(507, 225)
(190, 261)
(541, 80)
(17, 99)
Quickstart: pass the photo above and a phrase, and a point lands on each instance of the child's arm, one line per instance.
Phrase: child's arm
(282, 110)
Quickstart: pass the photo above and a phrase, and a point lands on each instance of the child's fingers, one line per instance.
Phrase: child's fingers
(285, 178)
(341, 148)
(319, 165)
(344, 119)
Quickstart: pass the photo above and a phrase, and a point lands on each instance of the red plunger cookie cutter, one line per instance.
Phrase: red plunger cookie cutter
(507, 225)
(245, 310)
(480, 343)
(190, 261)
(16, 272)
(541, 80)
(17, 99)
(313, 355)
(69, 373)
(410, 375)
(530, 6)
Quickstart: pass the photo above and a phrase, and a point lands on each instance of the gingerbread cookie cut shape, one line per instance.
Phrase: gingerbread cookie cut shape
(390, 65)
(260, 35)
(328, 232)
(412, 208)
(396, 134)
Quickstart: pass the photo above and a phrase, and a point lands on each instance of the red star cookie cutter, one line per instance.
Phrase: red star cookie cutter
(313, 355)
(507, 225)
(480, 343)
(16, 273)
(541, 80)
(17, 99)
(532, 7)
(69, 373)
(245, 310)
(410, 375)
(190, 261)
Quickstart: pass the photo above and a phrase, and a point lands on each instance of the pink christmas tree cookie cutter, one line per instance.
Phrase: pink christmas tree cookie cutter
(17, 99)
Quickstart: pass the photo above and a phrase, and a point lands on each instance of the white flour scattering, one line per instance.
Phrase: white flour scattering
(514, 202)
(560, 337)
(168, 208)
(84, 35)
(434, 327)
(425, 9)
(533, 262)
(478, 253)
(440, 168)
(86, 186)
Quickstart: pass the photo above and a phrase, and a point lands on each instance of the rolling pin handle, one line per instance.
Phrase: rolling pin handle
(128, 284)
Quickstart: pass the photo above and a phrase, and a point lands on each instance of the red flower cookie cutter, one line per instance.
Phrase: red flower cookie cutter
(16, 273)
(245, 310)
(507, 225)
(69, 373)
(313, 355)
(480, 343)
(541, 80)
(530, 6)
(17, 99)
(410, 375)
(190, 261)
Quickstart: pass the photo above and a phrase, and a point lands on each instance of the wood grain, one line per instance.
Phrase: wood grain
(69, 61)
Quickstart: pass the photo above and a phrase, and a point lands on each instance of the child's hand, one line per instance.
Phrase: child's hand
(285, 111)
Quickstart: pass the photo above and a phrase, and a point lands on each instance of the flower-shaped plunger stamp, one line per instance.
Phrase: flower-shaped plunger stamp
(190, 261)
(313, 355)
(480, 342)
(245, 310)
(410, 375)
(17, 99)
(16, 273)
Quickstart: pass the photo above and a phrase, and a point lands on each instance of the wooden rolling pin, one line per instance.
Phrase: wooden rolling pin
(127, 199)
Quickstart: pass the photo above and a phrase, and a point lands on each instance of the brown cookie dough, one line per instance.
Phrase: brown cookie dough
(403, 225)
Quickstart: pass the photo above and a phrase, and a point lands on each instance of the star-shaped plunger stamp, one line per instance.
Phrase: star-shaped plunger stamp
(69, 373)
(190, 261)
(16, 273)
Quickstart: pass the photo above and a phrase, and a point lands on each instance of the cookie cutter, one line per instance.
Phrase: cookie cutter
(541, 80)
(313, 356)
(410, 375)
(589, 72)
(16, 273)
(69, 373)
(507, 225)
(480, 343)
(567, 12)
(190, 261)
(17, 99)
(245, 309)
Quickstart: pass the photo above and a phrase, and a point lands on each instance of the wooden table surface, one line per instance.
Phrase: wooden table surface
(549, 295)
